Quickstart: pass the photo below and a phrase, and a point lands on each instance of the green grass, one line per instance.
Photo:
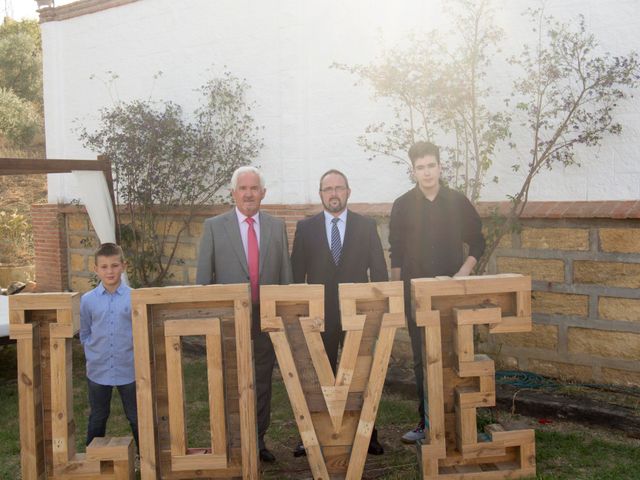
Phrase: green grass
(564, 451)
(581, 456)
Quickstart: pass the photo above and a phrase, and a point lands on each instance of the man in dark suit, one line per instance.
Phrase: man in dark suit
(337, 246)
(246, 245)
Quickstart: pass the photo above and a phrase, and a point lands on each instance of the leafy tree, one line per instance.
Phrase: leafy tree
(437, 89)
(19, 119)
(20, 82)
(21, 59)
(565, 96)
(161, 161)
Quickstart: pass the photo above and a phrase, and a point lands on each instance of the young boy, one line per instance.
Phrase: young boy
(105, 333)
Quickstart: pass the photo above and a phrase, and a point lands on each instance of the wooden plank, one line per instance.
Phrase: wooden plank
(57, 330)
(270, 323)
(463, 343)
(488, 384)
(396, 320)
(62, 440)
(144, 390)
(336, 402)
(21, 331)
(31, 456)
(337, 460)
(64, 316)
(512, 324)
(299, 292)
(246, 387)
(16, 319)
(429, 455)
(299, 405)
(514, 438)
(434, 385)
(477, 316)
(42, 301)
(431, 287)
(215, 372)
(429, 318)
(198, 462)
(528, 456)
(348, 357)
(327, 436)
(369, 290)
(173, 352)
(336, 399)
(109, 448)
(43, 319)
(498, 283)
(233, 471)
(192, 327)
(481, 366)
(27, 166)
(311, 324)
(318, 354)
(371, 402)
(482, 450)
(352, 322)
(185, 294)
(466, 429)
(468, 397)
(523, 302)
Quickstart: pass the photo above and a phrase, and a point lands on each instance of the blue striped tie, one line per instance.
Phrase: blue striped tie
(336, 245)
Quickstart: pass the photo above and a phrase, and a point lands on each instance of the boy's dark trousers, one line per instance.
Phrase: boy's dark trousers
(100, 404)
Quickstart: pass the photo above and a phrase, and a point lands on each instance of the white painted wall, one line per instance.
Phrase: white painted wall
(312, 114)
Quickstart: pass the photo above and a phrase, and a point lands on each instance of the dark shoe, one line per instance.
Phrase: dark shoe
(299, 451)
(267, 456)
(374, 446)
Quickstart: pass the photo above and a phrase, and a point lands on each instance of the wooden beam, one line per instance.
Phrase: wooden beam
(32, 166)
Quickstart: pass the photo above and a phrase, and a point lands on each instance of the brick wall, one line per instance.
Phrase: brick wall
(584, 258)
(50, 244)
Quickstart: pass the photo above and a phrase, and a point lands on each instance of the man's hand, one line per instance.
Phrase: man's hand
(467, 266)
(396, 274)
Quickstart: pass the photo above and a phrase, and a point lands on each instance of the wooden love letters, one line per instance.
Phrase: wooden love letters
(334, 413)
(222, 315)
(458, 381)
(43, 326)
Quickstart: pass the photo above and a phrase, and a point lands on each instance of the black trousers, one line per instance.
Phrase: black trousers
(417, 346)
(100, 405)
(264, 359)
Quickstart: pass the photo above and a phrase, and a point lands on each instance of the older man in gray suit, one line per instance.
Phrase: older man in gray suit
(246, 245)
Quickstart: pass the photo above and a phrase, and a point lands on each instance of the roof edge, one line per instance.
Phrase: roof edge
(77, 9)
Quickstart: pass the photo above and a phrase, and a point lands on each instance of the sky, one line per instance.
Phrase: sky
(19, 9)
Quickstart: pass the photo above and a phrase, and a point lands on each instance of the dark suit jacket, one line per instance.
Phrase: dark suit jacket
(362, 259)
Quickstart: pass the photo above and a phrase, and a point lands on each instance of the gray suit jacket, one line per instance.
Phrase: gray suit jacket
(222, 258)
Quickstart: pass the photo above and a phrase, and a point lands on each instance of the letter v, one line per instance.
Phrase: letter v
(334, 389)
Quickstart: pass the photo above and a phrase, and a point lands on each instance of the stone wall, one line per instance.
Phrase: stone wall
(584, 259)
(585, 267)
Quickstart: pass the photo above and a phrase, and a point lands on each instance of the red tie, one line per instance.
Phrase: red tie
(254, 261)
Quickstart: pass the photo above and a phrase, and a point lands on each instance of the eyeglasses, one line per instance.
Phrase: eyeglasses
(333, 189)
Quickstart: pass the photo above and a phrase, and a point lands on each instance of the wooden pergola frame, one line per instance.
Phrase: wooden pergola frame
(30, 166)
